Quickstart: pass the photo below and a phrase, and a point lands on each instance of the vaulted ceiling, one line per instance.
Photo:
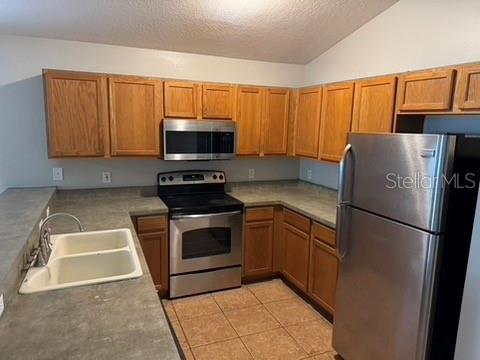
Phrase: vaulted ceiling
(289, 31)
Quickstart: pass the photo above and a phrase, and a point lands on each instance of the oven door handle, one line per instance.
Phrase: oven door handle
(197, 216)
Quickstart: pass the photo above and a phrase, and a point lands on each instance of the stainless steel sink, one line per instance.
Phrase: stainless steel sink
(85, 258)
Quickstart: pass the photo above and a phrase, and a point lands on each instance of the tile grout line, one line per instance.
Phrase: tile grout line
(262, 304)
(236, 332)
(183, 331)
(284, 326)
(215, 342)
(273, 316)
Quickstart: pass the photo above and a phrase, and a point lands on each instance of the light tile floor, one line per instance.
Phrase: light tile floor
(261, 321)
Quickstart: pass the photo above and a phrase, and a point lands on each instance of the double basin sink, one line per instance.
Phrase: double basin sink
(85, 258)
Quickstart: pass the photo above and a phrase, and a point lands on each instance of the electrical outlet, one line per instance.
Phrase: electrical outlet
(251, 173)
(106, 177)
(309, 174)
(58, 174)
(2, 304)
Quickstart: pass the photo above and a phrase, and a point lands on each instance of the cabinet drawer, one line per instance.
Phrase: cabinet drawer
(260, 213)
(150, 224)
(324, 234)
(296, 220)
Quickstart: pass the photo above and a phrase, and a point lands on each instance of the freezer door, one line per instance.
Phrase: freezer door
(384, 289)
(399, 176)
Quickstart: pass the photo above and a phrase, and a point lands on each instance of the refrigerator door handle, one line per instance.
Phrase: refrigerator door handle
(342, 175)
(341, 222)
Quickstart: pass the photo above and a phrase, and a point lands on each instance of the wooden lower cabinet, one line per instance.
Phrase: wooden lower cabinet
(323, 271)
(153, 236)
(296, 254)
(258, 250)
(277, 240)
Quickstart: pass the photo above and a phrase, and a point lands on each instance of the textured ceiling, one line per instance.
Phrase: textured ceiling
(290, 31)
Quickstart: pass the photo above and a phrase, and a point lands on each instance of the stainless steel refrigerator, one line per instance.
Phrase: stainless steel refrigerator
(404, 222)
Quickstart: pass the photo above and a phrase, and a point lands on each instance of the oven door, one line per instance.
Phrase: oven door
(205, 241)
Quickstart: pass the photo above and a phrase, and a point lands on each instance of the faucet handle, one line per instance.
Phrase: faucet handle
(46, 236)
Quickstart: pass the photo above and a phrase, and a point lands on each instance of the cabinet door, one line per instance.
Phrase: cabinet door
(77, 114)
(374, 105)
(323, 271)
(426, 91)
(180, 99)
(249, 120)
(295, 256)
(155, 250)
(217, 101)
(258, 256)
(276, 122)
(337, 105)
(468, 89)
(135, 116)
(308, 122)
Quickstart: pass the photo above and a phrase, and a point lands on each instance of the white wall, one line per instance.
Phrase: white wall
(410, 35)
(23, 152)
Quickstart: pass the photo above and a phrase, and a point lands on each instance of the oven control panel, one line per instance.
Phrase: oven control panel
(191, 177)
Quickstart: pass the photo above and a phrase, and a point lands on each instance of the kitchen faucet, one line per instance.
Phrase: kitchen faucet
(42, 253)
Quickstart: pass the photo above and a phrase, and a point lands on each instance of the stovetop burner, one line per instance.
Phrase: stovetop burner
(196, 192)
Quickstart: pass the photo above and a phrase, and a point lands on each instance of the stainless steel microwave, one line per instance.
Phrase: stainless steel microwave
(199, 139)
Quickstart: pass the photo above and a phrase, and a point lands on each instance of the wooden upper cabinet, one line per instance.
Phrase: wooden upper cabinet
(426, 91)
(308, 122)
(135, 116)
(249, 120)
(468, 89)
(275, 134)
(181, 98)
(77, 114)
(374, 105)
(217, 101)
(335, 121)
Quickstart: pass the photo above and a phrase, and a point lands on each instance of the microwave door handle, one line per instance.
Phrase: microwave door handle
(197, 216)
(342, 175)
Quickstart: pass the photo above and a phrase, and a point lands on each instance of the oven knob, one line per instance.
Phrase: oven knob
(214, 176)
(170, 178)
(163, 179)
(221, 177)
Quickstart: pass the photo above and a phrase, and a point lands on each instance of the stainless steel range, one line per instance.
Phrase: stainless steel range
(205, 232)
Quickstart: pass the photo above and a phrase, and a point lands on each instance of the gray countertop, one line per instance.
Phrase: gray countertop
(20, 210)
(118, 320)
(314, 201)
